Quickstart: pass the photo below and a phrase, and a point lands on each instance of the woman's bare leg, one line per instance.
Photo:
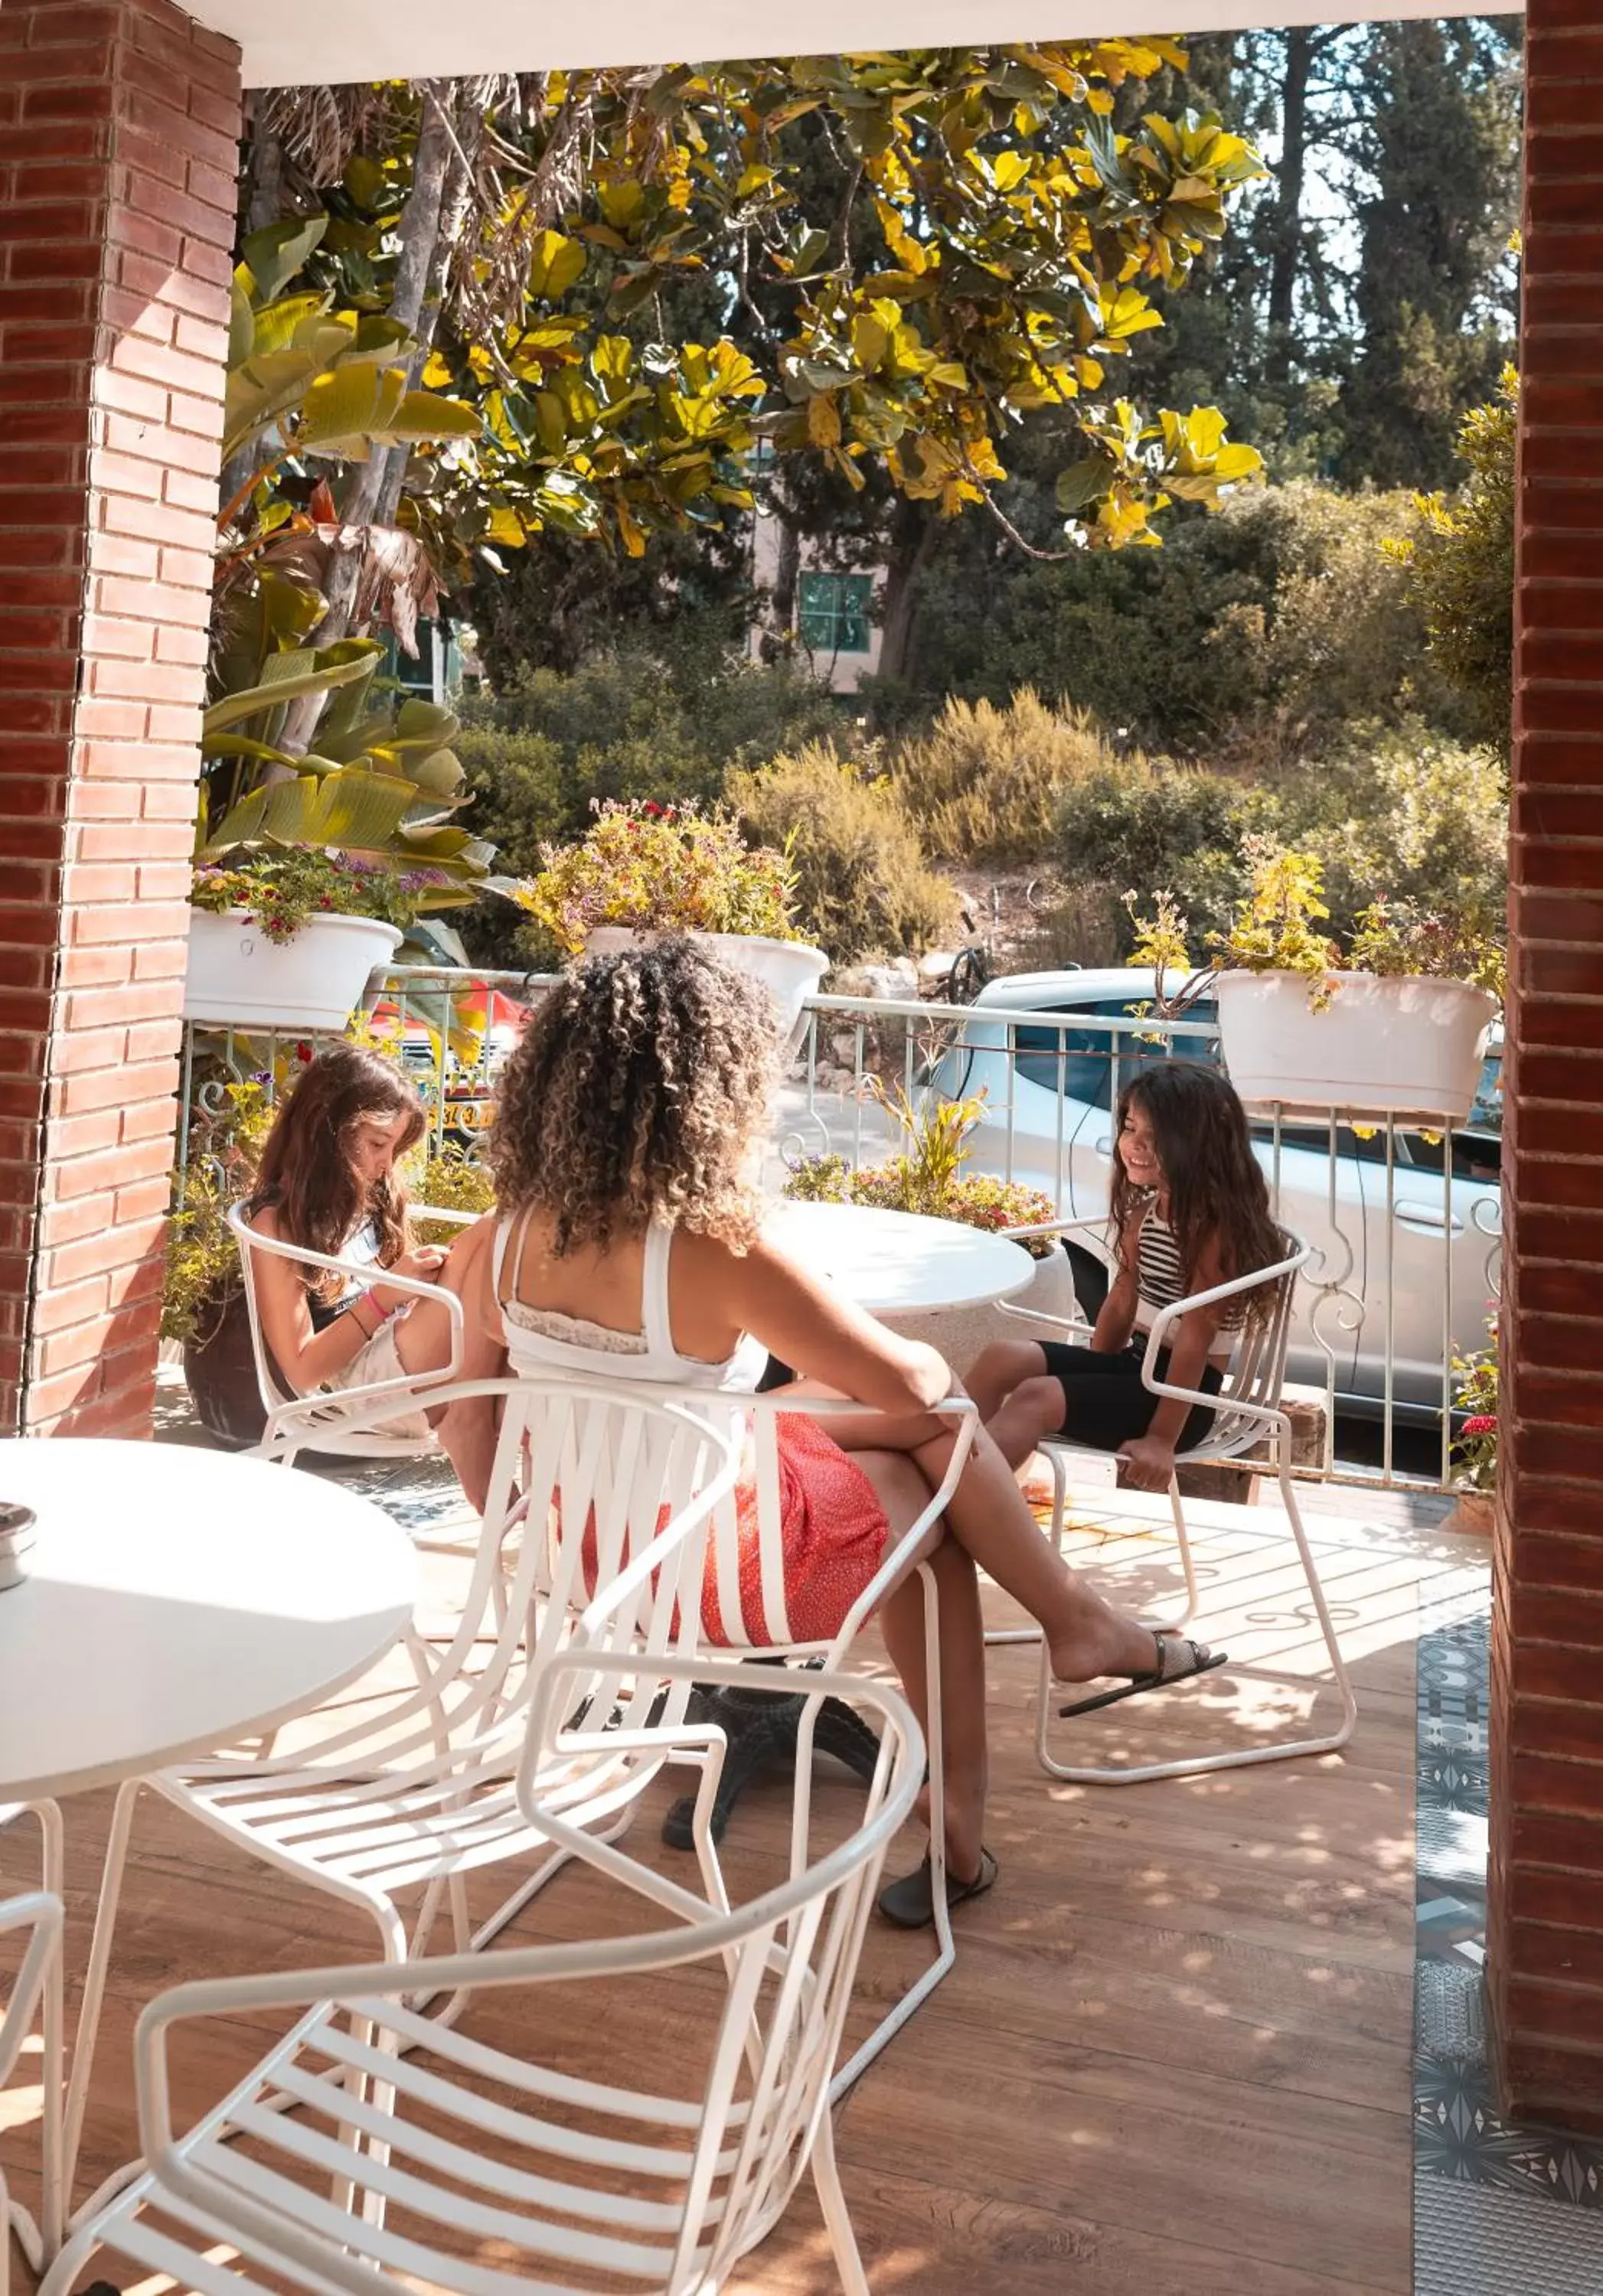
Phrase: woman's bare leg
(999, 1368)
(904, 1494)
(987, 1515)
(1032, 1412)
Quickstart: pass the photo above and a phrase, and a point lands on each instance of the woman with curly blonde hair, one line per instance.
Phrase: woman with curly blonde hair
(628, 1128)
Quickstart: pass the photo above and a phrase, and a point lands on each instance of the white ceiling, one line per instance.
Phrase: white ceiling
(299, 41)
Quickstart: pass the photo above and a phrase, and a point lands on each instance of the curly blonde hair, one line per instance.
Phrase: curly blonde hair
(634, 1095)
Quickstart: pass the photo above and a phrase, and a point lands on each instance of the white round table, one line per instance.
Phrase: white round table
(899, 1263)
(177, 1600)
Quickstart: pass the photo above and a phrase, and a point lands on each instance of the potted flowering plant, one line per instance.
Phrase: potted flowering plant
(1475, 1447)
(1397, 1026)
(638, 871)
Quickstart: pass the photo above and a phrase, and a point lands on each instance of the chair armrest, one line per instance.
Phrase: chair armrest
(364, 1274)
(1166, 1318)
(1096, 1224)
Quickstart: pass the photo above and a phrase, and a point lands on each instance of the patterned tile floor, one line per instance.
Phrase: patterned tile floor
(1498, 2211)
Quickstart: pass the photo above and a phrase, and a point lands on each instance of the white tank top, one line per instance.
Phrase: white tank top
(541, 1340)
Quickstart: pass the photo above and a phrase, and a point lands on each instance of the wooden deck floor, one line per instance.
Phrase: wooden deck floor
(1174, 2054)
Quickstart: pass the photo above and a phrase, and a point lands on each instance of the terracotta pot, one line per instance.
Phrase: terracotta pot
(1476, 1510)
(220, 1370)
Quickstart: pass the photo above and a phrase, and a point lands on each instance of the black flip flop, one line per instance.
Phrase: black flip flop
(1203, 1662)
(910, 1903)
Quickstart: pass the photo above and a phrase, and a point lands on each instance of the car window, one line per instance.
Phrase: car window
(1487, 1114)
(1079, 1061)
(1366, 1147)
(1476, 1155)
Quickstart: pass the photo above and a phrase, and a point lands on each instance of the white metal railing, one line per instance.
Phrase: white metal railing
(1405, 1224)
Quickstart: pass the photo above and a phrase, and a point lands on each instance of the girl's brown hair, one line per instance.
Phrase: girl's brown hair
(1216, 1185)
(634, 1095)
(306, 1172)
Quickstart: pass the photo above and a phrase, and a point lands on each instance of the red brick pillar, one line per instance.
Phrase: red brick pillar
(1546, 1942)
(118, 128)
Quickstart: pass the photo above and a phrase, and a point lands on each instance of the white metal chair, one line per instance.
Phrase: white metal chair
(735, 1417)
(421, 1793)
(37, 1980)
(1245, 1410)
(655, 2169)
(341, 1432)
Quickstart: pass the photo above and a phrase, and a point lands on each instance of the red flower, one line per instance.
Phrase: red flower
(1484, 1423)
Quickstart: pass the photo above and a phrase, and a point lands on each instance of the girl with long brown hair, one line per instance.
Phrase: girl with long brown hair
(1189, 1210)
(328, 1181)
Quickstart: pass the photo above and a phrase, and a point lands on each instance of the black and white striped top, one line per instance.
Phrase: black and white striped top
(1160, 1271)
(1162, 1276)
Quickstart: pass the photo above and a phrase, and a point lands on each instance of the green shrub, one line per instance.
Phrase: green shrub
(984, 784)
(862, 886)
(632, 724)
(1142, 828)
(520, 791)
(1408, 815)
(1251, 636)
(1460, 566)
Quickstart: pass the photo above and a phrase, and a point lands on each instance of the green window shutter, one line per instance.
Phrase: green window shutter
(832, 614)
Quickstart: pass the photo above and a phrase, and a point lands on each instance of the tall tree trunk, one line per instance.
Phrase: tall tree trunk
(1286, 241)
(787, 574)
(913, 530)
(419, 237)
(442, 182)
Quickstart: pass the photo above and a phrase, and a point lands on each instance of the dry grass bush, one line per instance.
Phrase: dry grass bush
(986, 785)
(862, 885)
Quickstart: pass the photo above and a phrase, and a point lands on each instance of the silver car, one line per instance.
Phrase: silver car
(1405, 1252)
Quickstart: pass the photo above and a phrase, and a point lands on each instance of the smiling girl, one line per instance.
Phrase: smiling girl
(1189, 1210)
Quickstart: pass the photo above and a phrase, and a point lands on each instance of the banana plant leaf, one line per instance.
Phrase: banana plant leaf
(287, 676)
(346, 809)
(272, 257)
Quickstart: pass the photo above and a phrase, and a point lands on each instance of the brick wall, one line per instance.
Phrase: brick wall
(118, 128)
(1546, 1946)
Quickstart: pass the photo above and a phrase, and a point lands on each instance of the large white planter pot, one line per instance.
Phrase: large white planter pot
(959, 1333)
(1408, 1046)
(790, 970)
(238, 977)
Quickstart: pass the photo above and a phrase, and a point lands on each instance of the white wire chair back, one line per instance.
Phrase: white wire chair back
(616, 1490)
(1249, 1398)
(337, 1424)
(653, 2167)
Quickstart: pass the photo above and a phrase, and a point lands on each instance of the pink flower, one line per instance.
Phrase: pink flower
(1483, 1423)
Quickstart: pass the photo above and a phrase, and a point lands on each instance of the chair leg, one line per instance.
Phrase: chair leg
(946, 1951)
(837, 2222)
(95, 1979)
(1242, 1757)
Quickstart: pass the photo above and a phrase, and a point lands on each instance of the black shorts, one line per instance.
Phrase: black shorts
(1104, 1402)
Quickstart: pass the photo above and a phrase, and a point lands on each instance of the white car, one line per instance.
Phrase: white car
(1404, 1265)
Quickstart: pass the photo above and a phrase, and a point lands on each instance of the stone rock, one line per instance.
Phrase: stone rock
(894, 981)
(936, 966)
